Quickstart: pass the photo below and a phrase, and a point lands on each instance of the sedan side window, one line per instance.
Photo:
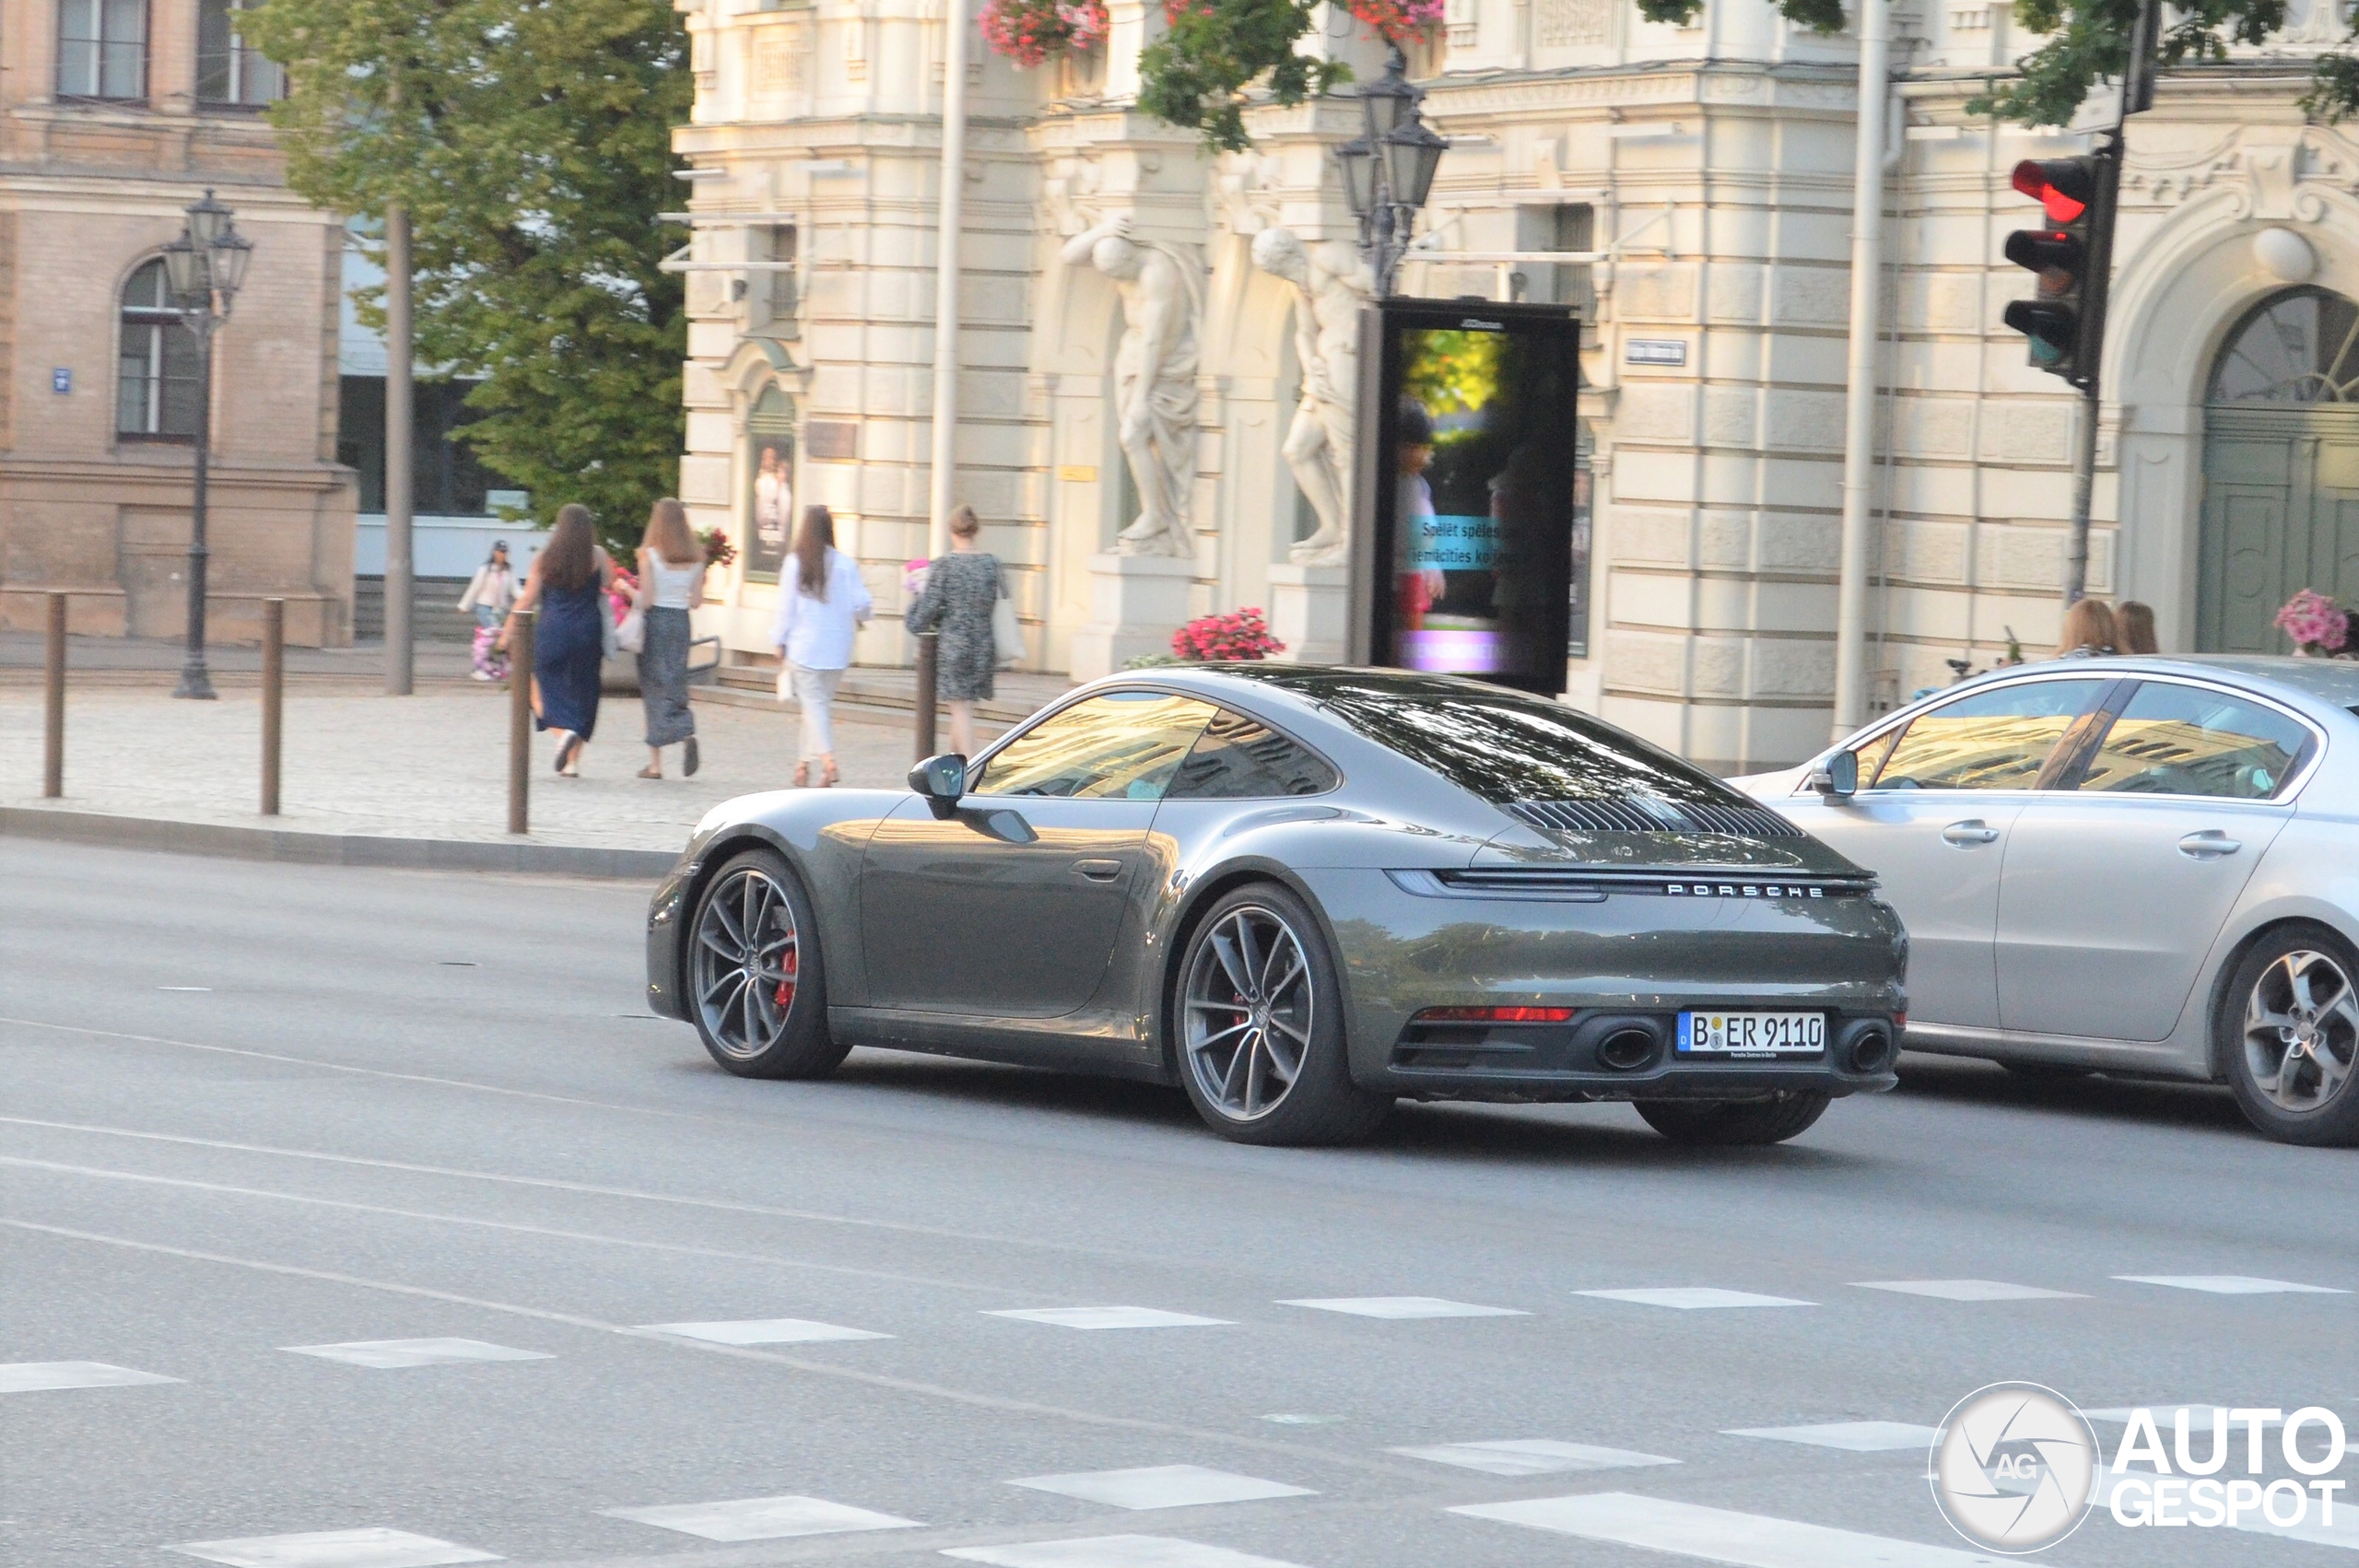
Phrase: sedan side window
(1120, 746)
(2175, 740)
(1236, 759)
(1993, 739)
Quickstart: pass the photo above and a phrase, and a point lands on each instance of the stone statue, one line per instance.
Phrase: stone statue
(1331, 285)
(1154, 379)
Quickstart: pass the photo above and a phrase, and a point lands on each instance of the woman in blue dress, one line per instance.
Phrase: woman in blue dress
(567, 586)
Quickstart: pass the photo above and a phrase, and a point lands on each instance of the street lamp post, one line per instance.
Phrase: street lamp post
(204, 267)
(1389, 169)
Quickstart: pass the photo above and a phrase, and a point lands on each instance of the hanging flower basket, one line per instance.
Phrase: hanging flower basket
(1032, 32)
(1397, 22)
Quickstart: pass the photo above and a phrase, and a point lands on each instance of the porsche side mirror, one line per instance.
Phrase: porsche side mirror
(1838, 780)
(942, 780)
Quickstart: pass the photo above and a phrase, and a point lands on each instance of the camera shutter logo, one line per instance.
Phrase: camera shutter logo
(2014, 1467)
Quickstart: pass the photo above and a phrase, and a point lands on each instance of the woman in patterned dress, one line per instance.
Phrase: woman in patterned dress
(961, 590)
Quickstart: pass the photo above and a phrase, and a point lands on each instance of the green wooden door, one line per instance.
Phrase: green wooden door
(2280, 513)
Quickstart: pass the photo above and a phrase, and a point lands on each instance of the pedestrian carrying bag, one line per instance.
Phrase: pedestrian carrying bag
(1007, 636)
(631, 632)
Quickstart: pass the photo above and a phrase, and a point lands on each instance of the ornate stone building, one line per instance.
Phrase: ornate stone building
(1702, 174)
(115, 115)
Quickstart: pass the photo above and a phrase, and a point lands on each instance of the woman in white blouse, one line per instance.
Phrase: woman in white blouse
(821, 603)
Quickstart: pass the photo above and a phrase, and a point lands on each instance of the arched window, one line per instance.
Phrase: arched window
(2298, 346)
(156, 378)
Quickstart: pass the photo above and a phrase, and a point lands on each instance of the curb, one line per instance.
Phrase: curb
(328, 848)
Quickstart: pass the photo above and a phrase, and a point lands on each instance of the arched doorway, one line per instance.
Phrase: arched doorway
(2281, 468)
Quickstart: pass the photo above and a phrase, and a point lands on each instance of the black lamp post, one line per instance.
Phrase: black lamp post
(1389, 169)
(203, 268)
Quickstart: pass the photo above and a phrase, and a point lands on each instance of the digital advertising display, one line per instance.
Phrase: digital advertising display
(1462, 557)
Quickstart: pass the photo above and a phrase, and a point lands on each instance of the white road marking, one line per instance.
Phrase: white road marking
(1113, 1551)
(1969, 1289)
(764, 1331)
(391, 1353)
(1717, 1534)
(1162, 1486)
(762, 1519)
(2230, 1285)
(1690, 1298)
(1407, 1306)
(2198, 1415)
(1531, 1456)
(1852, 1436)
(335, 1548)
(35, 1377)
(1111, 1318)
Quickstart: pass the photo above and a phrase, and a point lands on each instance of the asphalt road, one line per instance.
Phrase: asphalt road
(255, 1110)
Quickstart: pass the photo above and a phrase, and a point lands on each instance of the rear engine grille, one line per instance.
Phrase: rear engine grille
(1648, 813)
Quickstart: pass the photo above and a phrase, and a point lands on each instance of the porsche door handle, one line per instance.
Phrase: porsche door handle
(1966, 835)
(2209, 845)
(1098, 871)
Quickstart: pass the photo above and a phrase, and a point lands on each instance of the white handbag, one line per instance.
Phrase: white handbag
(630, 633)
(1008, 634)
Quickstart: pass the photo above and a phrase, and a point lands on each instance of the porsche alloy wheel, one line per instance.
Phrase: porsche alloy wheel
(752, 973)
(1259, 1024)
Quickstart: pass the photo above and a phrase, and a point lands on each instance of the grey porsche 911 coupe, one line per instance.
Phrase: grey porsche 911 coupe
(1302, 893)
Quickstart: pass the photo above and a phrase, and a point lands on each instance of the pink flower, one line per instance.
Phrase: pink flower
(2312, 620)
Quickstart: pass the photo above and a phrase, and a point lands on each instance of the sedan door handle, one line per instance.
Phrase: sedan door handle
(1098, 871)
(2209, 845)
(1972, 831)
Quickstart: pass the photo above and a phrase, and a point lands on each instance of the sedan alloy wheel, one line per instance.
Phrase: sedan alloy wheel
(2301, 1031)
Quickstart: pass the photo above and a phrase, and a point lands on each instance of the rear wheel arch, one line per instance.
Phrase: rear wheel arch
(1199, 899)
(2224, 979)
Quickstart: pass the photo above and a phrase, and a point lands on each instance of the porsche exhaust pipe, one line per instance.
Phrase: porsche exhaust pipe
(1629, 1049)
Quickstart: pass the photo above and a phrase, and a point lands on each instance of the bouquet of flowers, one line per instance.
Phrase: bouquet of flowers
(1398, 21)
(2316, 624)
(619, 596)
(1240, 634)
(718, 551)
(1029, 31)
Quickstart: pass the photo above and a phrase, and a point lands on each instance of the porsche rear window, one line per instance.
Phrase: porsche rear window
(1508, 748)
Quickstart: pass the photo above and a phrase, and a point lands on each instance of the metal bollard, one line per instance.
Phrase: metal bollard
(273, 693)
(928, 645)
(52, 735)
(519, 724)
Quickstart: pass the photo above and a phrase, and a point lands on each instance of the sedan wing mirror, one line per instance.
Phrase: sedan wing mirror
(1837, 778)
(942, 780)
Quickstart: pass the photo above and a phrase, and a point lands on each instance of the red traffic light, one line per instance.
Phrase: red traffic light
(2065, 186)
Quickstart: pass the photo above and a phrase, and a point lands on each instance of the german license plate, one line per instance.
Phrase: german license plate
(1752, 1033)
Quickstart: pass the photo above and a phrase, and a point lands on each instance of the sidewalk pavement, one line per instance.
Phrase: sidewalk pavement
(420, 779)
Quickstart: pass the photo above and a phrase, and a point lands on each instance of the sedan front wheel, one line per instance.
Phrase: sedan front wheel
(2289, 1036)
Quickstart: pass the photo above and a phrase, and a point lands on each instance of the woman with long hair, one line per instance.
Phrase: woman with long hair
(567, 586)
(2134, 628)
(821, 603)
(671, 583)
(2088, 629)
(962, 589)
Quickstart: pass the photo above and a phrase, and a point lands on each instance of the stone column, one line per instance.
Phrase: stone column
(1136, 602)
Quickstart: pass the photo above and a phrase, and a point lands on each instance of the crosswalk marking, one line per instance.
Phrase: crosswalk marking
(1852, 1436)
(1406, 1306)
(1113, 1551)
(762, 1519)
(376, 1548)
(1717, 1535)
(1162, 1486)
(2199, 1414)
(1691, 1298)
(1969, 1289)
(764, 1331)
(390, 1353)
(2231, 1284)
(1111, 1318)
(36, 1376)
(1531, 1456)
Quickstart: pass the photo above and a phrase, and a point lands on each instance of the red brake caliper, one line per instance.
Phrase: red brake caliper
(785, 997)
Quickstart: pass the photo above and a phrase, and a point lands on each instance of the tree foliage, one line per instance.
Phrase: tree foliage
(530, 140)
(1196, 74)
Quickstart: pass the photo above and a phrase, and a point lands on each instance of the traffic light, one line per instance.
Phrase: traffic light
(2072, 256)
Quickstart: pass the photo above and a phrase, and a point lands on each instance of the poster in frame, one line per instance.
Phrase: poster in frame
(769, 486)
(1467, 500)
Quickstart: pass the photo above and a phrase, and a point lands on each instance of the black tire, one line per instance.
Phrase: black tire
(744, 1023)
(1729, 1124)
(1286, 1017)
(2297, 1082)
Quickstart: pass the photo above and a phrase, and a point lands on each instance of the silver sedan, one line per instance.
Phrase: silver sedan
(2142, 866)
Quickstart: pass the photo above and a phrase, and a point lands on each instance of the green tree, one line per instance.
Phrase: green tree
(1196, 74)
(530, 140)
(2088, 42)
